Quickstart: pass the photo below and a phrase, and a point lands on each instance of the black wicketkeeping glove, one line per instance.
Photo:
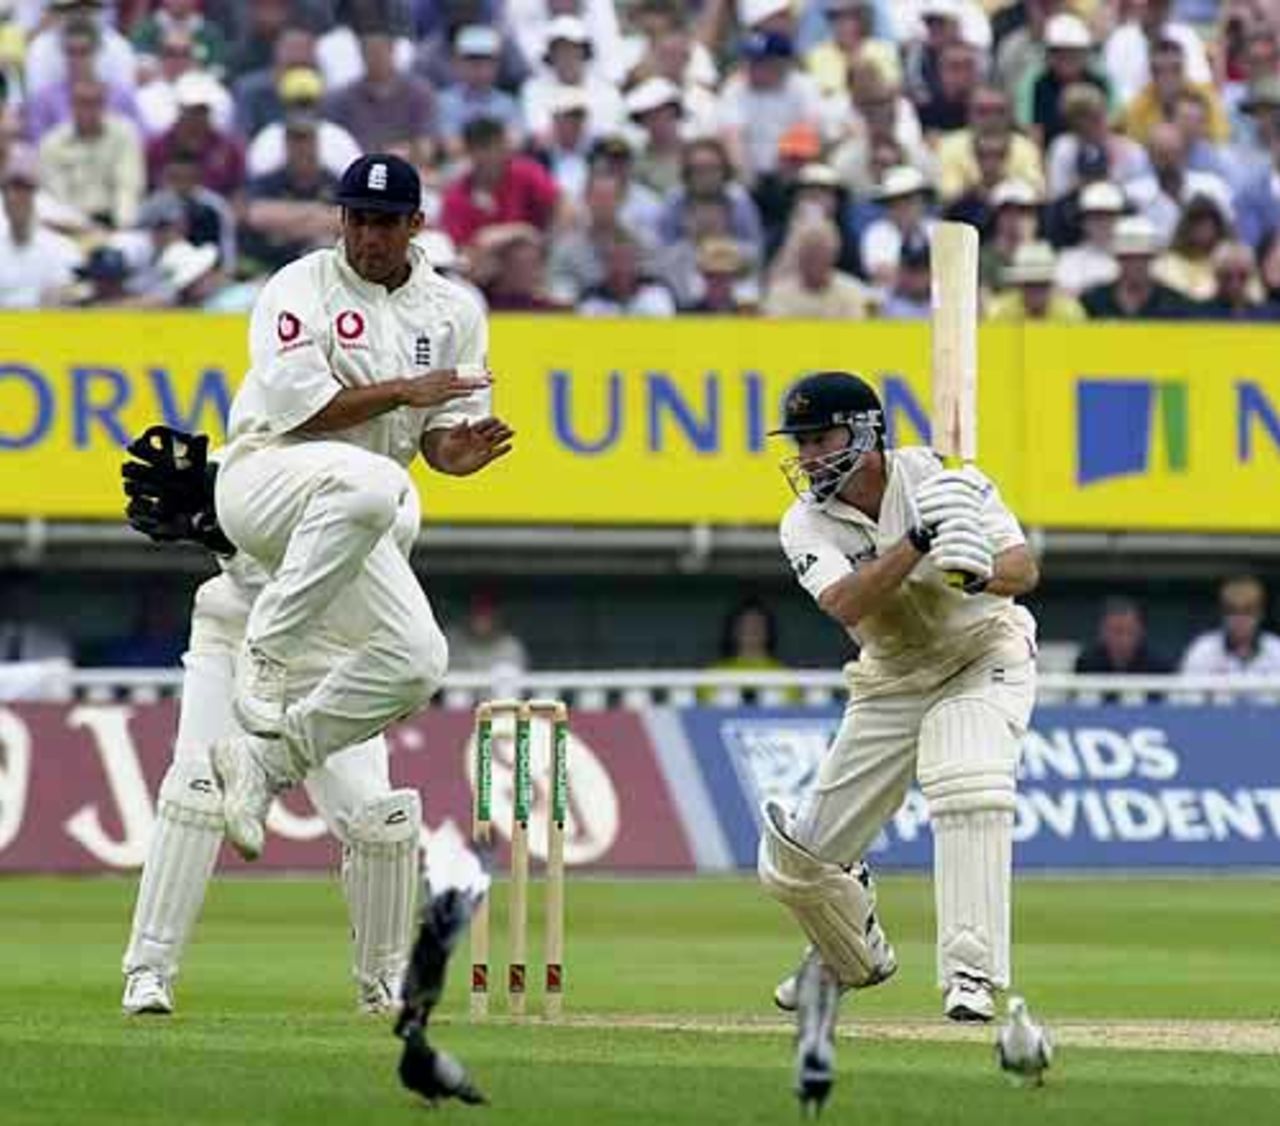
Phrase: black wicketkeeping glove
(169, 485)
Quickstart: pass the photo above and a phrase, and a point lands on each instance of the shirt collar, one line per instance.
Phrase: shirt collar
(419, 268)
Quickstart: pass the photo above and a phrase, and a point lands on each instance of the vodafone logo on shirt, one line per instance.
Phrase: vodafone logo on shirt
(350, 326)
(289, 331)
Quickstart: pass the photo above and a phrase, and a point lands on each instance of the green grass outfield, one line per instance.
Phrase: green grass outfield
(1163, 996)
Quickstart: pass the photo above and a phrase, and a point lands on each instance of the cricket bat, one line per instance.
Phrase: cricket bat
(954, 323)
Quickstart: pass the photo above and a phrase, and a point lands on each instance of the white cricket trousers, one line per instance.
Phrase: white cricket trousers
(320, 517)
(871, 762)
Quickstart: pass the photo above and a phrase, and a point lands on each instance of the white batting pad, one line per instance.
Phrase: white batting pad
(968, 754)
(180, 860)
(831, 906)
(380, 877)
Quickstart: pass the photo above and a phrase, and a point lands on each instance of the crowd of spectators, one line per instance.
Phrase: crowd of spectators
(1121, 158)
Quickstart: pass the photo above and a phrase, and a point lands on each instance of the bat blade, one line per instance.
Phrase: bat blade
(954, 259)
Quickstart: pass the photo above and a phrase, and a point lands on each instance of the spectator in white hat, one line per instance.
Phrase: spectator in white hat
(527, 21)
(115, 63)
(477, 52)
(668, 49)
(1091, 263)
(905, 195)
(656, 105)
(565, 150)
(35, 262)
(725, 286)
(1015, 221)
(567, 55)
(1068, 61)
(1135, 294)
(158, 97)
(1031, 294)
(1128, 49)
(194, 135)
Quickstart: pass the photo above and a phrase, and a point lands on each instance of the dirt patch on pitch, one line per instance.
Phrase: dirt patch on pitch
(1246, 1037)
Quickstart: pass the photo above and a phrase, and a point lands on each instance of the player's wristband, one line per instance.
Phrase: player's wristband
(920, 537)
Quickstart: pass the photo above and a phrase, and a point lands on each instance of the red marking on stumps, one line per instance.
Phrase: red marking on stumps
(515, 978)
(479, 978)
(555, 977)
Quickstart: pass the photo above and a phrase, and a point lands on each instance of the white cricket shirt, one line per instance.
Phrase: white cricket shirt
(318, 327)
(823, 544)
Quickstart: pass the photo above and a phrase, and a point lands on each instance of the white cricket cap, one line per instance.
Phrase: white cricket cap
(1032, 264)
(1066, 30)
(478, 40)
(181, 264)
(195, 88)
(817, 175)
(441, 250)
(1014, 193)
(569, 28)
(652, 93)
(940, 9)
(567, 99)
(904, 180)
(752, 12)
(1102, 196)
(1135, 237)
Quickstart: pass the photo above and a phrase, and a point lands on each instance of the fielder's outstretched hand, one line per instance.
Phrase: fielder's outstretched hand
(469, 446)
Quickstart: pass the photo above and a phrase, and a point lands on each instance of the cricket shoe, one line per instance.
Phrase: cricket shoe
(969, 999)
(886, 965)
(250, 772)
(379, 995)
(147, 991)
(817, 1003)
(260, 693)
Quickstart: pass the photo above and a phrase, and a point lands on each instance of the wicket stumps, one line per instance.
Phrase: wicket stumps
(555, 716)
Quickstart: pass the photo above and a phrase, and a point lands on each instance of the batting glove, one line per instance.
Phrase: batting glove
(951, 493)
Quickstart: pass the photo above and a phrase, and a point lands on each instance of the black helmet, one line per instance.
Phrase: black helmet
(821, 401)
(830, 398)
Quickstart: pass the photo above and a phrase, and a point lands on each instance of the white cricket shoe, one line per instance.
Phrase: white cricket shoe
(379, 995)
(259, 700)
(247, 791)
(147, 991)
(784, 993)
(969, 999)
(1023, 1047)
(817, 1003)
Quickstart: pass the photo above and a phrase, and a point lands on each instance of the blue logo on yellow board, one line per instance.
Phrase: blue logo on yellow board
(1125, 427)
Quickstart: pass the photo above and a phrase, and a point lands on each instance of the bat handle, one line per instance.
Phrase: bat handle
(956, 580)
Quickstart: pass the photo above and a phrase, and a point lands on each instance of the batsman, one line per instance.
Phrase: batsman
(921, 564)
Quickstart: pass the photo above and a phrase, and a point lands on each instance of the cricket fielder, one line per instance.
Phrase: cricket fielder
(170, 488)
(362, 358)
(942, 692)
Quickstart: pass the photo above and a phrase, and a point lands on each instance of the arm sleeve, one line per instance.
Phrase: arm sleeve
(286, 351)
(473, 348)
(814, 560)
(1001, 525)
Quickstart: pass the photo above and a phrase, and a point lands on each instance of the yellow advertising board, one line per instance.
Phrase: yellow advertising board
(1152, 427)
(665, 423)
